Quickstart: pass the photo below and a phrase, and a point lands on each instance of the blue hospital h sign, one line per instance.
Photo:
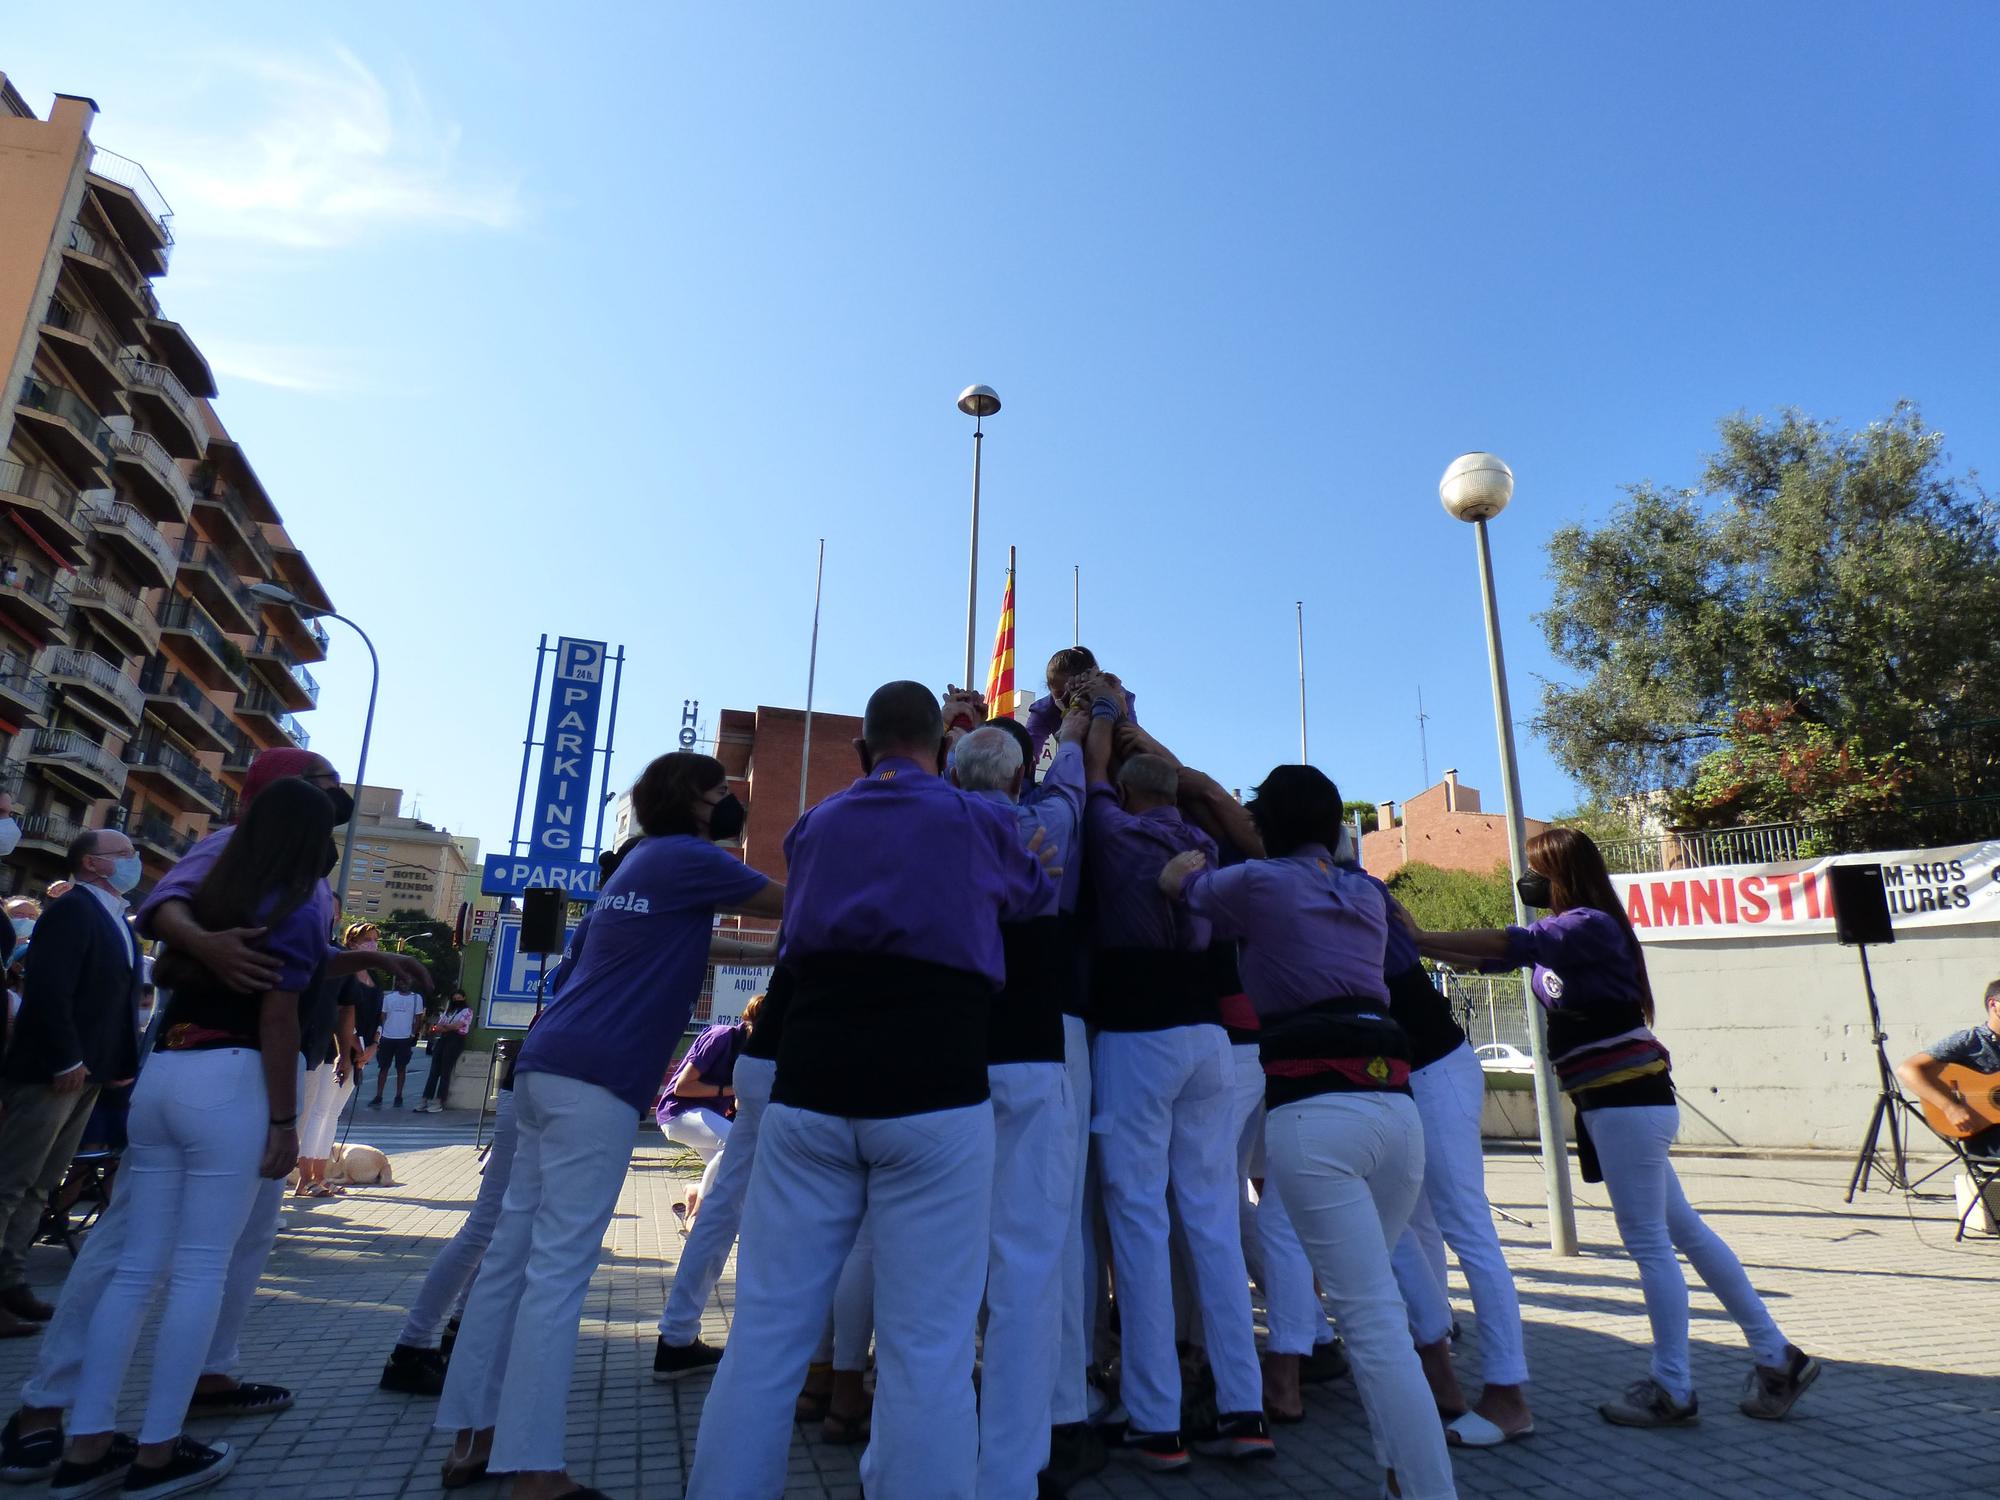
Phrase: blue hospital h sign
(559, 825)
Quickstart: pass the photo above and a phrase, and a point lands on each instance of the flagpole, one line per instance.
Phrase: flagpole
(1076, 604)
(812, 672)
(1303, 758)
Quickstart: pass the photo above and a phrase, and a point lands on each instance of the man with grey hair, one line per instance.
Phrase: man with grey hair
(1035, 1133)
(1163, 1118)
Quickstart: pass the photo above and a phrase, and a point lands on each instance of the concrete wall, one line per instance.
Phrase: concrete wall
(1770, 1036)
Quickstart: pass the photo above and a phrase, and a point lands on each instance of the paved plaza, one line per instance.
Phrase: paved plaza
(1903, 1318)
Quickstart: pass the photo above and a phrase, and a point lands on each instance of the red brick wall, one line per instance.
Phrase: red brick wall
(1430, 835)
(761, 752)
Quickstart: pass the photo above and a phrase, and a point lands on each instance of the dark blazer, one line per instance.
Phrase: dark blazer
(79, 1002)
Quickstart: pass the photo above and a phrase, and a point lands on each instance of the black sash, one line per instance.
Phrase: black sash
(873, 1038)
(1152, 989)
(1026, 1020)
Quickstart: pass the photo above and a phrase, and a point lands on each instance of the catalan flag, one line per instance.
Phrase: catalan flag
(1000, 675)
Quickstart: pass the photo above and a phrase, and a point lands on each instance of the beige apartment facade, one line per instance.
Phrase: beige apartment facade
(401, 863)
(137, 673)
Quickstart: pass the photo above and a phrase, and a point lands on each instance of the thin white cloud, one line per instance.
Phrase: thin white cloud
(317, 152)
(287, 367)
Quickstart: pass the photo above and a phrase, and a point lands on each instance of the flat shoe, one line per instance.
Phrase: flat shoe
(458, 1476)
(843, 1431)
(1474, 1431)
(1285, 1417)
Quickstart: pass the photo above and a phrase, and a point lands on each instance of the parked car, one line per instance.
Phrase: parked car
(1504, 1057)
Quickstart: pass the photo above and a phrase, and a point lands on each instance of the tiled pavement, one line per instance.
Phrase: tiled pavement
(1904, 1318)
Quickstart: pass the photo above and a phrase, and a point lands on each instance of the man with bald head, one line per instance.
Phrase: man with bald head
(894, 900)
(77, 1031)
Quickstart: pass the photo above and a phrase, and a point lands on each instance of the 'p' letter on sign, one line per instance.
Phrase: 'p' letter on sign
(569, 739)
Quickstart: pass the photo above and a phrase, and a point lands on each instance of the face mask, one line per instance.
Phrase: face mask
(1534, 889)
(23, 926)
(125, 873)
(725, 819)
(343, 805)
(10, 836)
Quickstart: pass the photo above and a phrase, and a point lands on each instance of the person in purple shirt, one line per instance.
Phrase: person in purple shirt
(1342, 1137)
(1162, 1109)
(1590, 978)
(587, 1071)
(699, 1105)
(1069, 678)
(899, 886)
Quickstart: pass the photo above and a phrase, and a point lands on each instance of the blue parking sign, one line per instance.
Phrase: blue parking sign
(511, 976)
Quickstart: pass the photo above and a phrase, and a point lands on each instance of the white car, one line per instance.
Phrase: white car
(1503, 1057)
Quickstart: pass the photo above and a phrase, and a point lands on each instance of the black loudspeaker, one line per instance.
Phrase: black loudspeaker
(542, 914)
(1860, 904)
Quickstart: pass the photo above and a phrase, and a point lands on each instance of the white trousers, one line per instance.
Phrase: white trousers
(510, 1369)
(1292, 1311)
(722, 1193)
(452, 1272)
(197, 1130)
(1162, 1119)
(1349, 1168)
(1079, 1260)
(1034, 1177)
(1453, 1210)
(925, 1183)
(703, 1131)
(1654, 1220)
(320, 1104)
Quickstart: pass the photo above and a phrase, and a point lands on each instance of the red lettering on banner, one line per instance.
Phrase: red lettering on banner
(1670, 904)
(1784, 882)
(1729, 902)
(1707, 902)
(1809, 888)
(1755, 907)
(1635, 906)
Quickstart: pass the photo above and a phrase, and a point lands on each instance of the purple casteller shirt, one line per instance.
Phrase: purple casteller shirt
(1581, 957)
(184, 879)
(713, 1058)
(1057, 812)
(1127, 853)
(634, 986)
(1045, 719)
(904, 865)
(1311, 930)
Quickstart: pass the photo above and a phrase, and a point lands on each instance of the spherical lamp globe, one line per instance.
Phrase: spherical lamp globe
(978, 401)
(1476, 487)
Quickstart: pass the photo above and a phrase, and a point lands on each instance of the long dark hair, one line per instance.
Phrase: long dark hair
(1578, 877)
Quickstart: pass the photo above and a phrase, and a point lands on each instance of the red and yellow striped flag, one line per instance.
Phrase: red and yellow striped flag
(1000, 675)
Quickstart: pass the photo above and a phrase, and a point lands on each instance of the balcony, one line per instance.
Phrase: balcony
(52, 831)
(170, 773)
(24, 697)
(280, 667)
(66, 756)
(48, 505)
(116, 612)
(206, 574)
(95, 687)
(88, 350)
(226, 520)
(263, 715)
(134, 540)
(75, 436)
(295, 732)
(157, 484)
(179, 702)
(210, 657)
(159, 837)
(31, 597)
(178, 353)
(242, 750)
(136, 208)
(120, 286)
(170, 411)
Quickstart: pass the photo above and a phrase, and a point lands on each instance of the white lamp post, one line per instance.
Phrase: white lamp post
(978, 402)
(1475, 488)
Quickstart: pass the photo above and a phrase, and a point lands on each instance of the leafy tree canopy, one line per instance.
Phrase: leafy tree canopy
(1811, 627)
(1367, 812)
(1450, 900)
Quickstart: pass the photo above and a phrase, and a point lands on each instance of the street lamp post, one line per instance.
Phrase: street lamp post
(978, 402)
(272, 593)
(1475, 488)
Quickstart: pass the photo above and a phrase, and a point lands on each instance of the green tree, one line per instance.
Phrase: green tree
(1367, 812)
(1778, 766)
(419, 933)
(1822, 599)
(1450, 900)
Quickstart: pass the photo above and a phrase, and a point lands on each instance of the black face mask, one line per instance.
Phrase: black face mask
(332, 858)
(343, 805)
(725, 818)
(1534, 889)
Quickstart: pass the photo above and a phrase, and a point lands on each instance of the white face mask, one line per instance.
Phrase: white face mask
(10, 835)
(23, 926)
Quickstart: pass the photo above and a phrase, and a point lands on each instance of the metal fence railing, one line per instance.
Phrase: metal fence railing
(1488, 1006)
(1918, 825)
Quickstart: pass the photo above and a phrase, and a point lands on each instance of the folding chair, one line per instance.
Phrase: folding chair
(1982, 1169)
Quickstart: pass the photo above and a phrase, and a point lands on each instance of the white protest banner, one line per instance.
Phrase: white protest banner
(1926, 888)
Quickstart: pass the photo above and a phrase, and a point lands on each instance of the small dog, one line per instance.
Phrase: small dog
(361, 1166)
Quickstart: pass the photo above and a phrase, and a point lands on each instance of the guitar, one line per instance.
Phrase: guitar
(1978, 1092)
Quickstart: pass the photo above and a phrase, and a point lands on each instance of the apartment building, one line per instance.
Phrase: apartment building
(137, 673)
(402, 863)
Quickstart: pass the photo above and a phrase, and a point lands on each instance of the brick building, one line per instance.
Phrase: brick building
(760, 749)
(1443, 826)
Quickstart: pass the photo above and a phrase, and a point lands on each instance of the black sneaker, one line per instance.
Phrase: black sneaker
(450, 1338)
(193, 1467)
(1235, 1434)
(678, 1361)
(376, 1102)
(1162, 1452)
(99, 1477)
(1328, 1361)
(1076, 1452)
(28, 1456)
(413, 1372)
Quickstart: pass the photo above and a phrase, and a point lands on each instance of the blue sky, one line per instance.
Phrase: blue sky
(593, 321)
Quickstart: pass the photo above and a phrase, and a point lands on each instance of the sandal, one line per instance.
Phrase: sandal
(813, 1406)
(844, 1430)
(458, 1472)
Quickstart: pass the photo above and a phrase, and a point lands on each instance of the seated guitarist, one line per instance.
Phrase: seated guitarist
(1977, 1048)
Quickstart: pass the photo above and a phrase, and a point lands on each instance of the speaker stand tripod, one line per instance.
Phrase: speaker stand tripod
(1890, 1160)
